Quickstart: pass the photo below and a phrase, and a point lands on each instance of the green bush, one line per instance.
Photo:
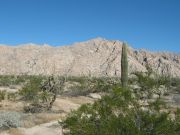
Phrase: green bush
(86, 85)
(41, 92)
(12, 96)
(30, 91)
(119, 114)
(81, 87)
(175, 82)
(145, 82)
(163, 80)
(104, 84)
(148, 82)
(6, 80)
(2, 95)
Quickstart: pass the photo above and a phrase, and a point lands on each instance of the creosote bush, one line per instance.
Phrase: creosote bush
(2, 95)
(145, 82)
(12, 96)
(175, 82)
(86, 85)
(158, 84)
(31, 89)
(7, 80)
(120, 114)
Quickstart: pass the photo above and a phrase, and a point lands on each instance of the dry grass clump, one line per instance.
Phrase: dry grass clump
(10, 120)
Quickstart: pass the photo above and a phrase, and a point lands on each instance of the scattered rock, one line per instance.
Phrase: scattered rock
(135, 87)
(155, 96)
(94, 95)
(162, 89)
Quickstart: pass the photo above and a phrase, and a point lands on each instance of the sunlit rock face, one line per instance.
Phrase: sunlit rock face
(96, 57)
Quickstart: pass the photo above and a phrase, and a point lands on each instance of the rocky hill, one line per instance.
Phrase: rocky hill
(96, 57)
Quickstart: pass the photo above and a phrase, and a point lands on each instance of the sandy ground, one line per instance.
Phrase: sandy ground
(63, 104)
(51, 128)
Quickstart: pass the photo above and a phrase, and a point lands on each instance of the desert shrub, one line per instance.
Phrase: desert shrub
(175, 82)
(21, 79)
(163, 80)
(8, 80)
(144, 81)
(86, 85)
(118, 114)
(9, 120)
(149, 82)
(2, 95)
(159, 84)
(80, 79)
(12, 96)
(177, 122)
(30, 91)
(104, 84)
(41, 92)
(157, 104)
(50, 89)
(80, 88)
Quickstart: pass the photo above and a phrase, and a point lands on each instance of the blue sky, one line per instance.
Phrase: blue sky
(149, 24)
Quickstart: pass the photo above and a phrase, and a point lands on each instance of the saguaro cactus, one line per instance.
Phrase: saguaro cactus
(124, 66)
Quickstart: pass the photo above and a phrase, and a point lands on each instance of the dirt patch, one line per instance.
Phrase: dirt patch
(45, 123)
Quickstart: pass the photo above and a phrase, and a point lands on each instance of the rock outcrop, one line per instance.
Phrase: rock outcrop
(96, 57)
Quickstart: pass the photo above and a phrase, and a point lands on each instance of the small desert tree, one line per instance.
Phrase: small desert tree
(42, 93)
(52, 86)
